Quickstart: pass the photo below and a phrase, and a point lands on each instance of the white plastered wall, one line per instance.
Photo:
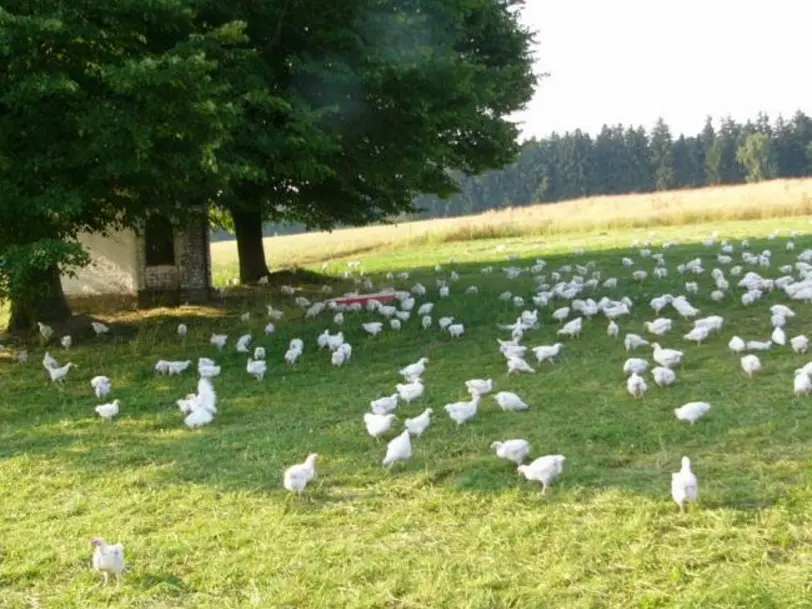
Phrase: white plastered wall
(113, 268)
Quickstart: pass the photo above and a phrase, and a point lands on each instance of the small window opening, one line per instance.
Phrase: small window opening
(159, 237)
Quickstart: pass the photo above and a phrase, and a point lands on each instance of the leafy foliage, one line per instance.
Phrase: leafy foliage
(351, 111)
(107, 111)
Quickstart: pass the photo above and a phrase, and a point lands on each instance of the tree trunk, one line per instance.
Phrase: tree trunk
(248, 228)
(44, 302)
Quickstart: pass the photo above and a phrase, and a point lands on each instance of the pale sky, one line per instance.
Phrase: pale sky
(630, 61)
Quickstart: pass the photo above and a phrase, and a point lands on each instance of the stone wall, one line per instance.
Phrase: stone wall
(189, 280)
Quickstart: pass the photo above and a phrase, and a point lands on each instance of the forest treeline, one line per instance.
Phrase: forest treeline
(623, 159)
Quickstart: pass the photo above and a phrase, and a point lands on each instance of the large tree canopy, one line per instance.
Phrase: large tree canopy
(321, 113)
(352, 109)
(108, 110)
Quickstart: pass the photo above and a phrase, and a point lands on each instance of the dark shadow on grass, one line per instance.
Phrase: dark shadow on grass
(166, 583)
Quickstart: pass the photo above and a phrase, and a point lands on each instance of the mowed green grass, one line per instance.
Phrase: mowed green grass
(206, 523)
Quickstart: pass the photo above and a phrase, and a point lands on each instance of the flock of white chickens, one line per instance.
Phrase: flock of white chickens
(574, 284)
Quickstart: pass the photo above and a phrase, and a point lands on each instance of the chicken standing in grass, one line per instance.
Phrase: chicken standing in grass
(415, 370)
(544, 470)
(802, 384)
(378, 424)
(479, 386)
(101, 385)
(692, 411)
(636, 385)
(384, 405)
(751, 364)
(298, 476)
(417, 425)
(510, 402)
(108, 559)
(108, 411)
(58, 374)
(409, 392)
(512, 450)
(398, 449)
(257, 368)
(684, 485)
(218, 340)
(462, 412)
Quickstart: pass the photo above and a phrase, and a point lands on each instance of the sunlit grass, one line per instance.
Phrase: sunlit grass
(777, 199)
(206, 523)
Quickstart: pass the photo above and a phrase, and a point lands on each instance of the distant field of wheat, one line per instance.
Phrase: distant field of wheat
(773, 199)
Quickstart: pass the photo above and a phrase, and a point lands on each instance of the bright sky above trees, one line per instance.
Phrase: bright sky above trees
(631, 61)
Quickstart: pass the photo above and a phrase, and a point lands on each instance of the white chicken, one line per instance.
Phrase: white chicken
(243, 342)
(373, 328)
(417, 425)
(48, 361)
(108, 559)
(737, 345)
(398, 449)
(462, 412)
(378, 424)
(410, 391)
(751, 364)
(510, 402)
(203, 407)
(512, 450)
(257, 368)
(544, 470)
(59, 373)
(456, 330)
(698, 334)
(108, 411)
(635, 365)
(802, 384)
(636, 385)
(46, 332)
(692, 411)
(384, 405)
(612, 330)
(517, 364)
(297, 477)
(684, 485)
(572, 328)
(800, 343)
(101, 385)
(668, 358)
(659, 326)
(218, 340)
(632, 341)
(546, 353)
(415, 370)
(479, 386)
(663, 376)
(99, 328)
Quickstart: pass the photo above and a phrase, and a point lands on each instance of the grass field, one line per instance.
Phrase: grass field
(775, 199)
(206, 524)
